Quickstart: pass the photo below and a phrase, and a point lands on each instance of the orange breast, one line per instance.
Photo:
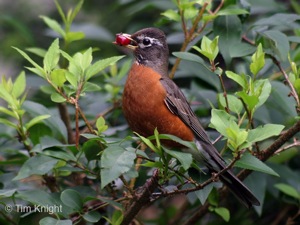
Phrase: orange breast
(144, 107)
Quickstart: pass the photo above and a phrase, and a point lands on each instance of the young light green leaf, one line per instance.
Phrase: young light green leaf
(100, 124)
(58, 77)
(35, 121)
(86, 59)
(19, 85)
(262, 89)
(54, 25)
(8, 112)
(55, 97)
(74, 36)
(223, 212)
(38, 51)
(100, 65)
(115, 161)
(220, 120)
(148, 143)
(72, 199)
(8, 123)
(263, 132)
(171, 14)
(117, 217)
(258, 60)
(288, 190)
(250, 162)
(235, 104)
(40, 69)
(240, 79)
(208, 48)
(236, 136)
(52, 56)
(250, 100)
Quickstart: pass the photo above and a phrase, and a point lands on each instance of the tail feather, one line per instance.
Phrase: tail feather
(215, 163)
(243, 194)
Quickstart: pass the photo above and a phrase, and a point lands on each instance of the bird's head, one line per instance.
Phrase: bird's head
(149, 47)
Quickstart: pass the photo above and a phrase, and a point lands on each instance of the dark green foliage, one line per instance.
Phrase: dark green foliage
(67, 155)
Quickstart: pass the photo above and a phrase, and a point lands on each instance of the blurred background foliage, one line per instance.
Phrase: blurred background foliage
(22, 27)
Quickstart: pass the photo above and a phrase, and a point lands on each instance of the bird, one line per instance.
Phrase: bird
(151, 100)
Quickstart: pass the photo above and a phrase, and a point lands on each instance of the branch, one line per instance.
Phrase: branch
(263, 155)
(140, 200)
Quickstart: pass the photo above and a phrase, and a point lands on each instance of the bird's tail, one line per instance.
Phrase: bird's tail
(215, 163)
(239, 189)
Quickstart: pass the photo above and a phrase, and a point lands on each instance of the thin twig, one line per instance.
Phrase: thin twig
(294, 144)
(286, 77)
(188, 38)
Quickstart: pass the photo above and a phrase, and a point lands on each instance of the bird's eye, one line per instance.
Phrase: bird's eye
(146, 42)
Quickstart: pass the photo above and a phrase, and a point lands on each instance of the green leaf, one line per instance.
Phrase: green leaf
(72, 199)
(52, 56)
(92, 216)
(8, 112)
(54, 25)
(262, 89)
(60, 154)
(288, 190)
(236, 136)
(36, 165)
(58, 77)
(240, 79)
(258, 60)
(40, 69)
(37, 197)
(203, 194)
(55, 97)
(235, 104)
(172, 15)
(208, 48)
(8, 123)
(115, 161)
(74, 36)
(229, 30)
(263, 132)
(38, 51)
(223, 212)
(250, 162)
(35, 121)
(100, 124)
(101, 65)
(19, 85)
(7, 192)
(185, 159)
(250, 100)
(188, 56)
(220, 120)
(148, 142)
(53, 221)
(279, 43)
(117, 217)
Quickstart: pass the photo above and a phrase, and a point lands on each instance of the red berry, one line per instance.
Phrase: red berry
(122, 39)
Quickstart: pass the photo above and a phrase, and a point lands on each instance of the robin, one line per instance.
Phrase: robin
(151, 100)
